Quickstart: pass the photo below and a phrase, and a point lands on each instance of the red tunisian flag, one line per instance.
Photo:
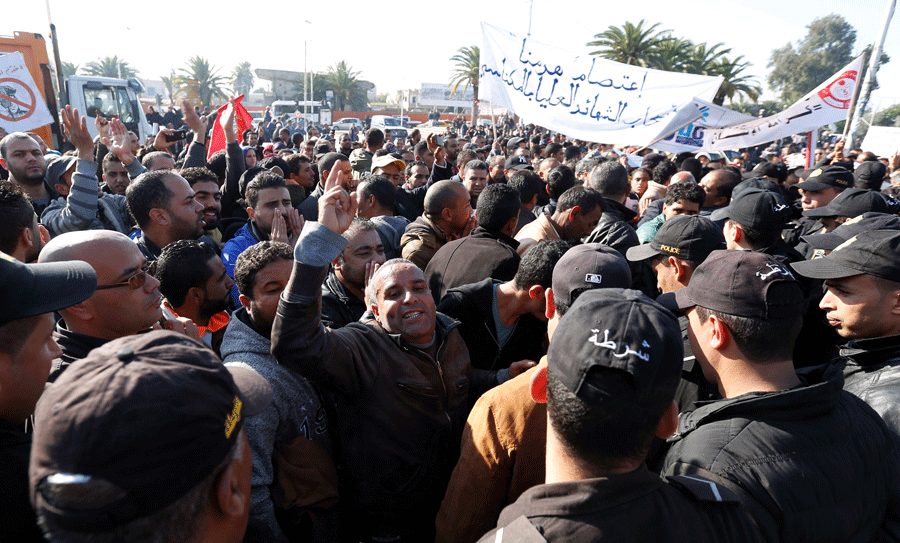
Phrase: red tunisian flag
(242, 119)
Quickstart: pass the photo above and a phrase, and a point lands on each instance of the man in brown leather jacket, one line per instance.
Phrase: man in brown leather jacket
(400, 381)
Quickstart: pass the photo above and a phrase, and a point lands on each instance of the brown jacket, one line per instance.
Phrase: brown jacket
(502, 456)
(536, 231)
(421, 241)
(400, 412)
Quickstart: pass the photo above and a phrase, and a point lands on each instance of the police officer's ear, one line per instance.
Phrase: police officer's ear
(550, 307)
(669, 422)
(539, 385)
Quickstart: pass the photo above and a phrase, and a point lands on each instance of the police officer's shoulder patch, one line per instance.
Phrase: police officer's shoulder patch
(702, 489)
(520, 530)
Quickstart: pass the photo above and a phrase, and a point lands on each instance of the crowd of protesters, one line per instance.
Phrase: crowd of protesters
(485, 333)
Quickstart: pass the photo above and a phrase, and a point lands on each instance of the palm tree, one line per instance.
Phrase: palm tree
(200, 81)
(110, 67)
(242, 79)
(69, 69)
(349, 94)
(631, 44)
(468, 66)
(735, 84)
(704, 59)
(672, 54)
(171, 83)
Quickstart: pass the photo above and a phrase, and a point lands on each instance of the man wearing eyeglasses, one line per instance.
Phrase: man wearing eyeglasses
(127, 299)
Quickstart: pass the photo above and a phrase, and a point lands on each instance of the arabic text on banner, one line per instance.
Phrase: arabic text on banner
(827, 103)
(584, 96)
(22, 107)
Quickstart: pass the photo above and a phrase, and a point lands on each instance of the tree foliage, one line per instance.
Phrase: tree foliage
(344, 82)
(468, 66)
(827, 47)
(110, 67)
(646, 46)
(630, 44)
(242, 79)
(888, 116)
(69, 69)
(200, 82)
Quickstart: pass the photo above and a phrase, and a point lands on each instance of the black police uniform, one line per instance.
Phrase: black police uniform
(632, 507)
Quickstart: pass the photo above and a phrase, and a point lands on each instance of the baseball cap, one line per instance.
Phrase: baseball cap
(772, 170)
(854, 202)
(513, 143)
(688, 237)
(28, 290)
(829, 176)
(134, 426)
(518, 162)
(321, 150)
(757, 208)
(618, 329)
(868, 221)
(737, 283)
(872, 253)
(589, 266)
(869, 172)
(384, 160)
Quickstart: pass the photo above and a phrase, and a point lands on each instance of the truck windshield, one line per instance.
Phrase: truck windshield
(109, 101)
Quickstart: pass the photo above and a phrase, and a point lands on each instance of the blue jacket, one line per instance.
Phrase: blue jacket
(246, 237)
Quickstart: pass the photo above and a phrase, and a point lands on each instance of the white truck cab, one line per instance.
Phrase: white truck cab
(111, 98)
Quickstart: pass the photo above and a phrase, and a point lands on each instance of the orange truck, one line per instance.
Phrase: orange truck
(91, 95)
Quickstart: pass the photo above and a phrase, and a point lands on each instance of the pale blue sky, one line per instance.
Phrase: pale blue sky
(413, 42)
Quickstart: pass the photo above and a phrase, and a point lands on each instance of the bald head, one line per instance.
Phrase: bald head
(127, 299)
(85, 245)
(442, 195)
(682, 176)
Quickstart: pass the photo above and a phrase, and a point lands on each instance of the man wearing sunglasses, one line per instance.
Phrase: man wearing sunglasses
(127, 299)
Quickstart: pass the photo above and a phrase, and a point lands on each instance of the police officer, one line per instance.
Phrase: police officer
(614, 364)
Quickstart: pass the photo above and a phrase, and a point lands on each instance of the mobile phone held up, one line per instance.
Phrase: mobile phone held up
(176, 135)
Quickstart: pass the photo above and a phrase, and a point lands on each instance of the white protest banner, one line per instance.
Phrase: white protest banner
(827, 103)
(22, 107)
(882, 140)
(689, 137)
(583, 96)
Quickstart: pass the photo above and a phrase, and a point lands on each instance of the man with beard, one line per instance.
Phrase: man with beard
(296, 420)
(193, 281)
(345, 145)
(163, 205)
(22, 157)
(115, 175)
(207, 192)
(271, 218)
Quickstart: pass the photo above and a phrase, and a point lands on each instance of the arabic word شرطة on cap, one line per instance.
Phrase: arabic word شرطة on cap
(738, 283)
(622, 330)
